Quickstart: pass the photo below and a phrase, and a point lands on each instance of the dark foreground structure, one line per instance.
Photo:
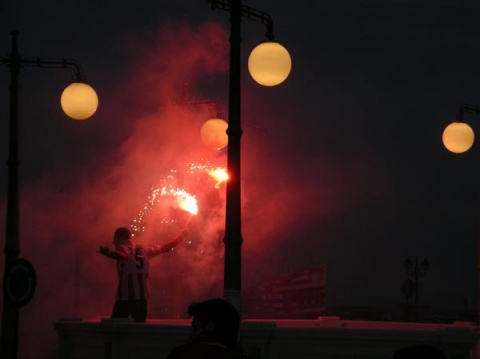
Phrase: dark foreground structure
(325, 337)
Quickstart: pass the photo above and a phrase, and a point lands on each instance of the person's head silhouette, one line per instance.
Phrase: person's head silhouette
(215, 320)
(419, 351)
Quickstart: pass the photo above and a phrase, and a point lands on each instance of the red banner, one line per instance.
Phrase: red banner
(297, 294)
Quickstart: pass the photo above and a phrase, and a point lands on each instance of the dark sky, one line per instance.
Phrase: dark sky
(343, 164)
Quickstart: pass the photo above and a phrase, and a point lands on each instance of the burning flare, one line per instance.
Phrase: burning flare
(185, 200)
(168, 191)
(220, 175)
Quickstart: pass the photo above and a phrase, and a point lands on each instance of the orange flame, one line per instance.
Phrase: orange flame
(220, 175)
(185, 201)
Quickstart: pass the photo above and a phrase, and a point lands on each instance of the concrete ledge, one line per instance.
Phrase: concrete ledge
(326, 337)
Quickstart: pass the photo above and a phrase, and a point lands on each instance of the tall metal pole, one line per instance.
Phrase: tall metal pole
(416, 273)
(476, 348)
(233, 217)
(233, 222)
(478, 273)
(10, 313)
(462, 109)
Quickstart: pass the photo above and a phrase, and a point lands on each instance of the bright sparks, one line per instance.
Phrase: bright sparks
(185, 200)
(220, 175)
(168, 193)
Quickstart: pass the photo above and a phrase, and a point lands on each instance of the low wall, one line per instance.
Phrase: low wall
(326, 338)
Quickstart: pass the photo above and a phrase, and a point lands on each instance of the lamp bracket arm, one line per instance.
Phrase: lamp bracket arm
(465, 107)
(207, 103)
(4, 60)
(184, 101)
(260, 16)
(249, 13)
(56, 63)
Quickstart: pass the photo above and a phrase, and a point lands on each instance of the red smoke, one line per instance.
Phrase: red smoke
(144, 128)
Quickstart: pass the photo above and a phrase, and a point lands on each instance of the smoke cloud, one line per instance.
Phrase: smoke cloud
(146, 135)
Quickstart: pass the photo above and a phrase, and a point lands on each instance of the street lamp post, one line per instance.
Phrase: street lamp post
(213, 131)
(79, 101)
(269, 65)
(458, 137)
(416, 271)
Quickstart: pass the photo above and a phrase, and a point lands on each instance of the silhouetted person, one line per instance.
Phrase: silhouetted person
(133, 269)
(214, 335)
(420, 351)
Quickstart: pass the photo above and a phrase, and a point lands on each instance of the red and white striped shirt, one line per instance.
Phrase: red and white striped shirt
(133, 266)
(133, 273)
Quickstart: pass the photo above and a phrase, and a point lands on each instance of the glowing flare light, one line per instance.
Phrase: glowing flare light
(220, 175)
(182, 199)
(185, 200)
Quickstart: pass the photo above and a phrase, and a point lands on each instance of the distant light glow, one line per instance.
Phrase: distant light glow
(213, 133)
(458, 137)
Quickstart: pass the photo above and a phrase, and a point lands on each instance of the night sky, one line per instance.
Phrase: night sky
(342, 164)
